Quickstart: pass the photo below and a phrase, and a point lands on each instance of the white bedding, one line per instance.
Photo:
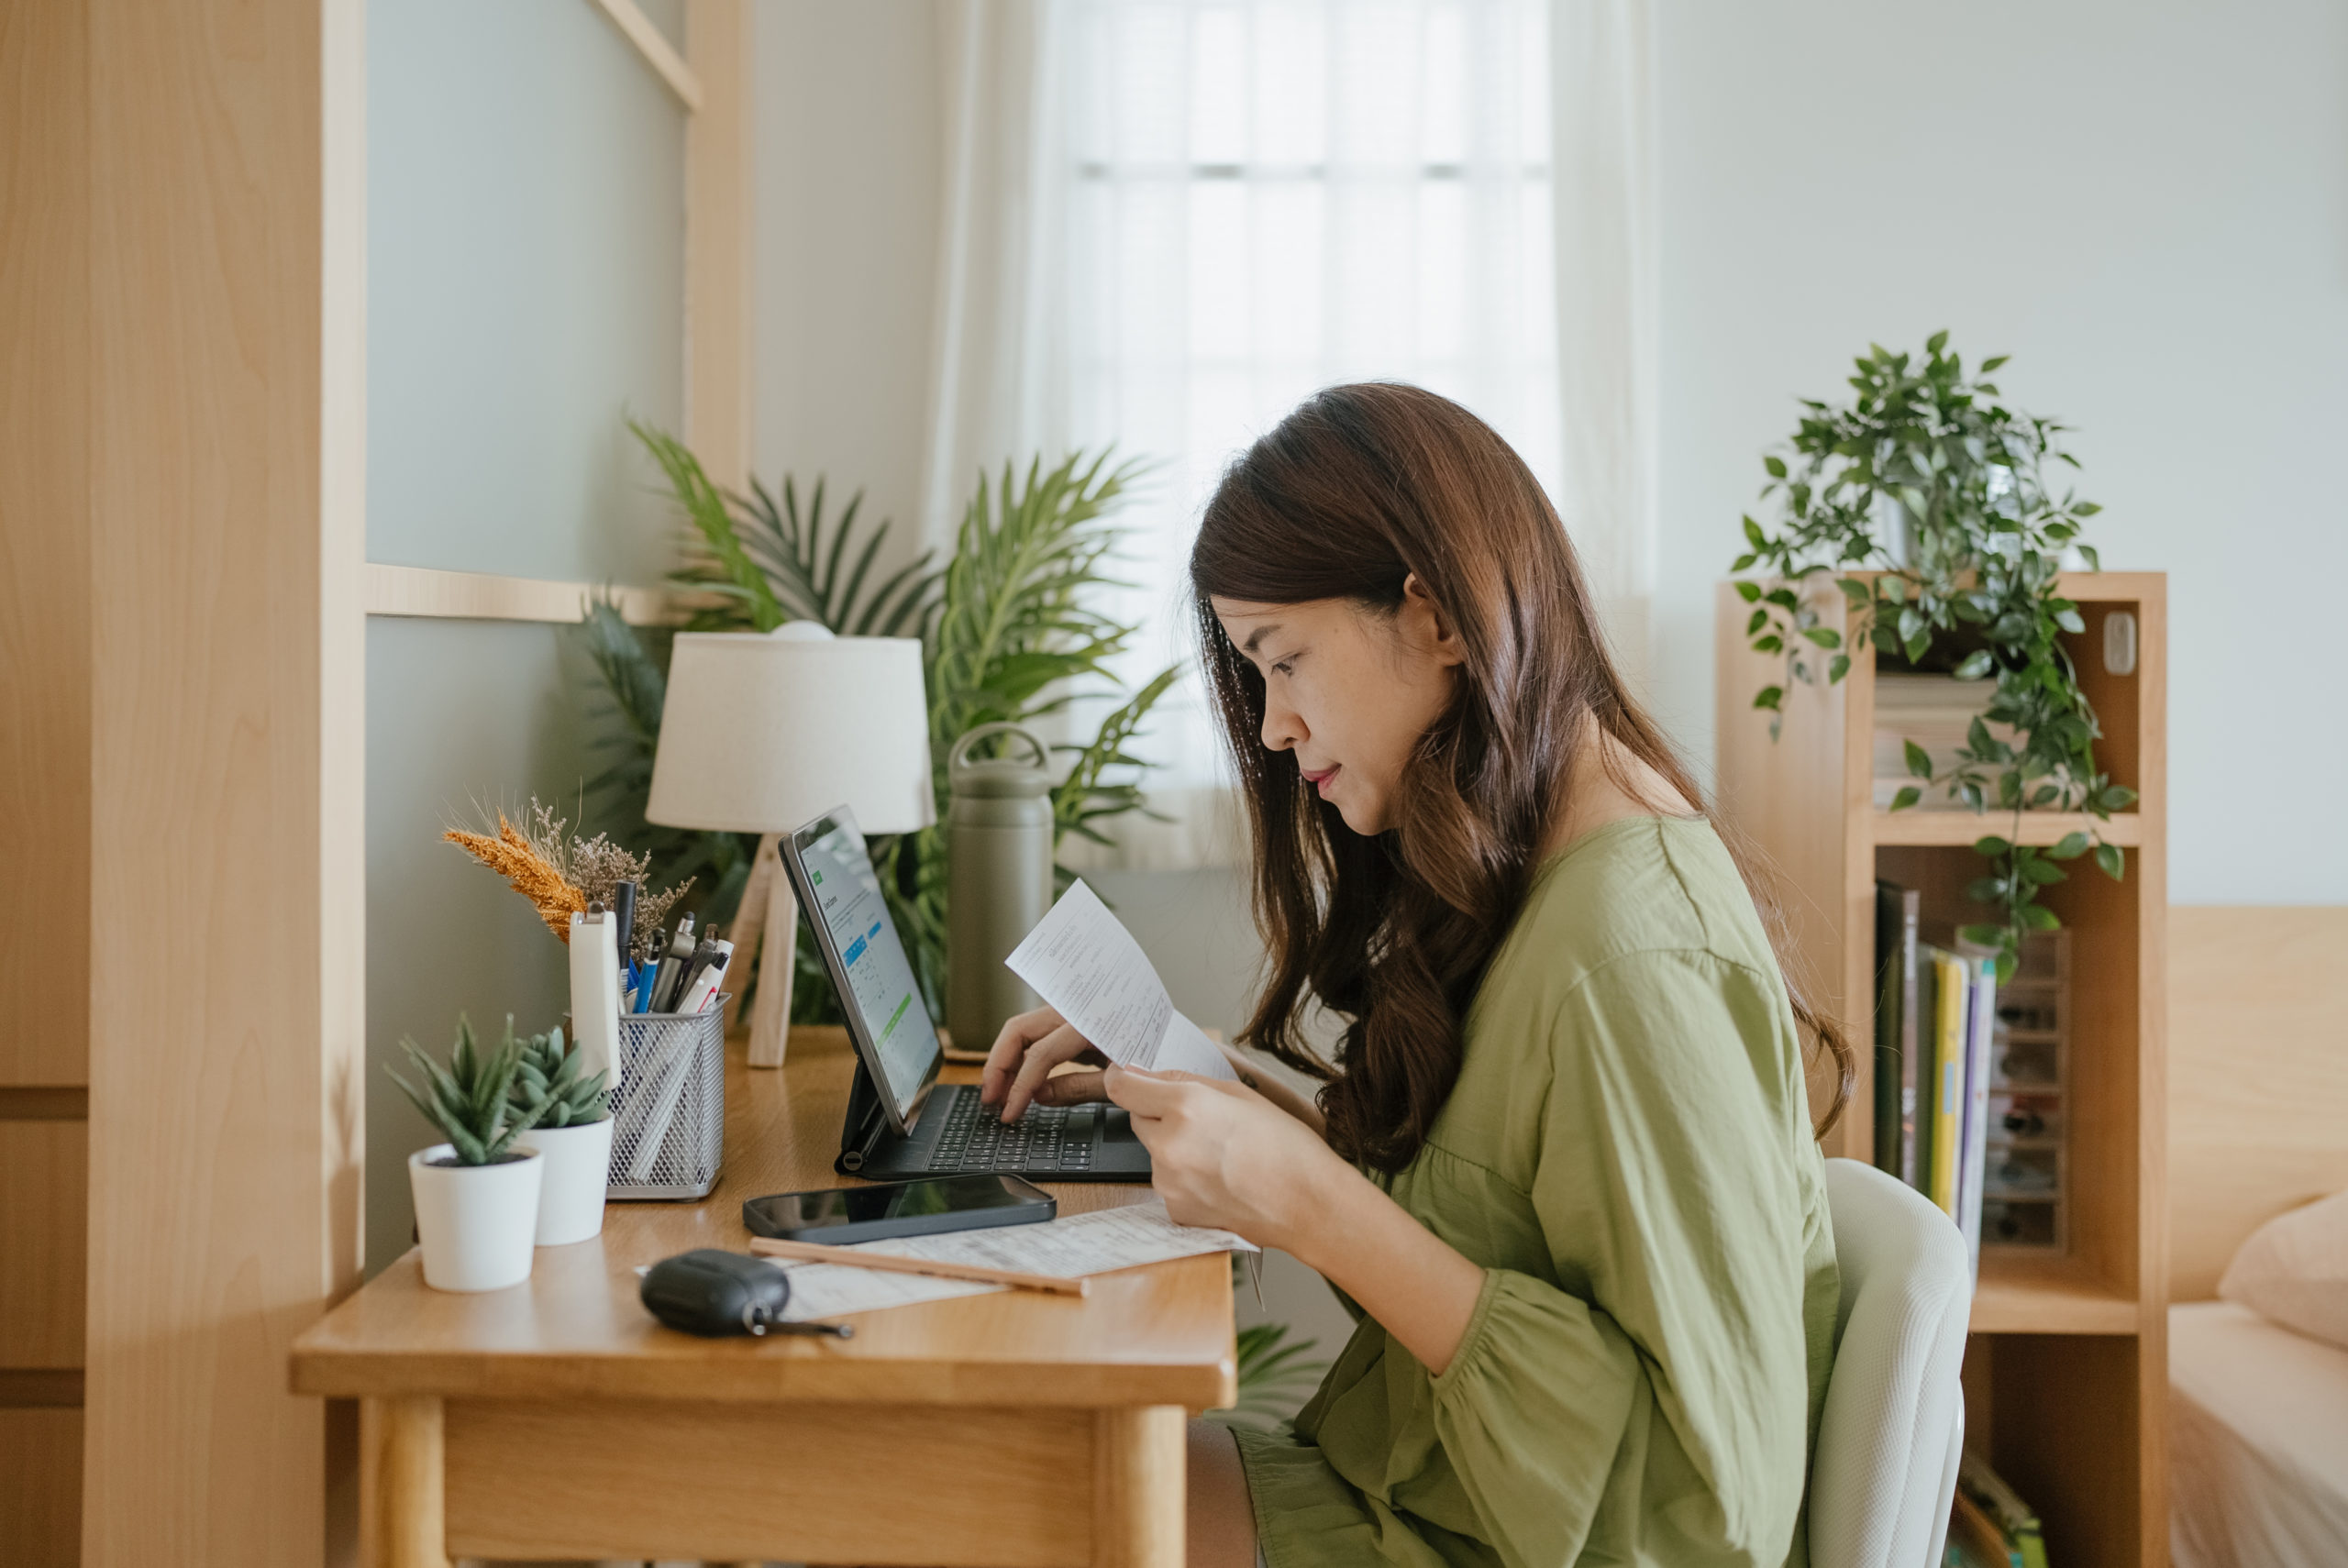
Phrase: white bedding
(2258, 1442)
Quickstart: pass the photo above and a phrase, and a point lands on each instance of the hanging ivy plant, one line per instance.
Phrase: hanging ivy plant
(1925, 499)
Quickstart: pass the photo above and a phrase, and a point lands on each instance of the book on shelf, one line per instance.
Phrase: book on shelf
(1948, 1078)
(1980, 1032)
(1898, 913)
(2002, 1510)
(1974, 1540)
(1937, 1056)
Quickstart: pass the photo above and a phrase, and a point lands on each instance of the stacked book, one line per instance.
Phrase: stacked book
(1968, 1091)
(1991, 1526)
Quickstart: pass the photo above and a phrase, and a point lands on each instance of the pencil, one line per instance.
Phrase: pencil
(851, 1257)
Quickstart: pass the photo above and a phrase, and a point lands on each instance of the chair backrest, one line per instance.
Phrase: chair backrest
(1888, 1440)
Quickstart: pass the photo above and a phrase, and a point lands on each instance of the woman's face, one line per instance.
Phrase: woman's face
(1348, 689)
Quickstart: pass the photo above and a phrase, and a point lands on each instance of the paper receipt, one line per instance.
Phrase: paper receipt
(1082, 961)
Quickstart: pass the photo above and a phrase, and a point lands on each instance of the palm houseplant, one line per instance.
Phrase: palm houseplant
(477, 1194)
(569, 1118)
(1924, 502)
(1009, 628)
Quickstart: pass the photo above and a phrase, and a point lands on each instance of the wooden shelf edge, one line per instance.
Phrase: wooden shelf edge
(2059, 1295)
(1930, 829)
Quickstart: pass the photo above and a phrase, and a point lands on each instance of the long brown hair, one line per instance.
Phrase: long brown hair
(1361, 487)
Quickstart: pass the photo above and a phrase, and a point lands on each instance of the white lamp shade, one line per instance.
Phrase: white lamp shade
(763, 733)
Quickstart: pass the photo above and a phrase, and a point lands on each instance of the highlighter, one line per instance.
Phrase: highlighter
(672, 967)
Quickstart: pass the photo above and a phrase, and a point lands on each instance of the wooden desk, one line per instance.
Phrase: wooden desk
(558, 1420)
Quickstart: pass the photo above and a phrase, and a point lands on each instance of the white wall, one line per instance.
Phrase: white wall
(848, 171)
(525, 265)
(2147, 205)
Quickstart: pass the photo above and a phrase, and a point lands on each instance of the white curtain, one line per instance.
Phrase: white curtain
(1168, 221)
(997, 389)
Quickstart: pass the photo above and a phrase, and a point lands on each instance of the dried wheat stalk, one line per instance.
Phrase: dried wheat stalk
(560, 872)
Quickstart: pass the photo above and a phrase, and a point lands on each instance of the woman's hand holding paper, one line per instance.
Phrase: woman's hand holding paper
(1223, 1155)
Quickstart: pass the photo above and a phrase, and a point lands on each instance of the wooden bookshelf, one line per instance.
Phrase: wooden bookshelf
(2067, 1370)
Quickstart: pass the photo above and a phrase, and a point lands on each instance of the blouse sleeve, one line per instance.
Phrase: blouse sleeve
(1664, 1358)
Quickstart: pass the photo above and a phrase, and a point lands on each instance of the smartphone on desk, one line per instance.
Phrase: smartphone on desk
(844, 1214)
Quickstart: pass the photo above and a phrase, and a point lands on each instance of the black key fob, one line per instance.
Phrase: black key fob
(714, 1294)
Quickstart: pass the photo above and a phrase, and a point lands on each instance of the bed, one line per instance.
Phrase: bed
(2258, 1098)
(2258, 1442)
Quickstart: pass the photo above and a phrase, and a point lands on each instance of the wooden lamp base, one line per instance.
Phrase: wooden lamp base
(769, 920)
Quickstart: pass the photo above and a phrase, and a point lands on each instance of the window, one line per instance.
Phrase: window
(1266, 196)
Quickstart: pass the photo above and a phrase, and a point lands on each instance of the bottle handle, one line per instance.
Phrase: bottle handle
(961, 752)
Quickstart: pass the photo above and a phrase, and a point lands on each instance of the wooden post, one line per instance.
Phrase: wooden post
(778, 955)
(402, 1484)
(1139, 1470)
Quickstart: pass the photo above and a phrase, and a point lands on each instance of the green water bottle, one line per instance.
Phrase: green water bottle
(997, 878)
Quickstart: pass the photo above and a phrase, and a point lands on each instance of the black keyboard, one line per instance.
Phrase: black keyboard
(1040, 1143)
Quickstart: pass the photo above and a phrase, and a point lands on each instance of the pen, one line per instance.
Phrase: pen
(883, 1262)
(624, 911)
(706, 984)
(694, 966)
(672, 966)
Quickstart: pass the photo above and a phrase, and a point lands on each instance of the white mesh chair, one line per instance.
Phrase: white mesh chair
(1887, 1443)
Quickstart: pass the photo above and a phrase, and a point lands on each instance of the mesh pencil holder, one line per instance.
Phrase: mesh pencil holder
(669, 1114)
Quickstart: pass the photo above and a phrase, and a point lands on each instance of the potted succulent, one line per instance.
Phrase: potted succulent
(570, 1120)
(476, 1194)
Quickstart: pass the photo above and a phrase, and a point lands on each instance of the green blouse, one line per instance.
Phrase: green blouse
(1628, 1155)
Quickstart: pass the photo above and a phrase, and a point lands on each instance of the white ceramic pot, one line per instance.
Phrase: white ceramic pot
(477, 1222)
(578, 1163)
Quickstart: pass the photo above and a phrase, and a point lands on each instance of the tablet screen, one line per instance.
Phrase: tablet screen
(873, 965)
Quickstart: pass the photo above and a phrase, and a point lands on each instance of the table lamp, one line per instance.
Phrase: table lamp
(762, 733)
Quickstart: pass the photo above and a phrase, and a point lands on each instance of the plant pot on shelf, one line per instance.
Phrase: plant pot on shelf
(477, 1223)
(578, 1162)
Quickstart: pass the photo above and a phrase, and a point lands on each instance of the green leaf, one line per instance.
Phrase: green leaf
(1748, 592)
(1837, 667)
(2072, 846)
(1907, 796)
(1982, 936)
(1775, 466)
(1743, 562)
(1990, 364)
(1769, 697)
(1937, 342)
(2038, 917)
(1992, 846)
(2113, 863)
(1825, 636)
(1975, 665)
(1760, 619)
(1919, 761)
(1771, 643)
(705, 509)
(2069, 621)
(1754, 536)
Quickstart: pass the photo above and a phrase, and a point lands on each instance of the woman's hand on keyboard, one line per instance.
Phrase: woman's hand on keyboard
(1020, 1065)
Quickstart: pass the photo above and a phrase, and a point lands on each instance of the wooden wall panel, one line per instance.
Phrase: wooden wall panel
(44, 1201)
(44, 545)
(225, 814)
(40, 1488)
(1770, 791)
(2258, 1063)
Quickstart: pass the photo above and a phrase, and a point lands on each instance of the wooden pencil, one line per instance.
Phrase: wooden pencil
(854, 1258)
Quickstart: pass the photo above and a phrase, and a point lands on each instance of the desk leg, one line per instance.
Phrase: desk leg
(402, 1520)
(1137, 1487)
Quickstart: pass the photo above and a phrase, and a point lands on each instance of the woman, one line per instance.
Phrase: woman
(1561, 1163)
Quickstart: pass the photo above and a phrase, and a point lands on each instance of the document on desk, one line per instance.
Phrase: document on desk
(1098, 1243)
(1081, 960)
